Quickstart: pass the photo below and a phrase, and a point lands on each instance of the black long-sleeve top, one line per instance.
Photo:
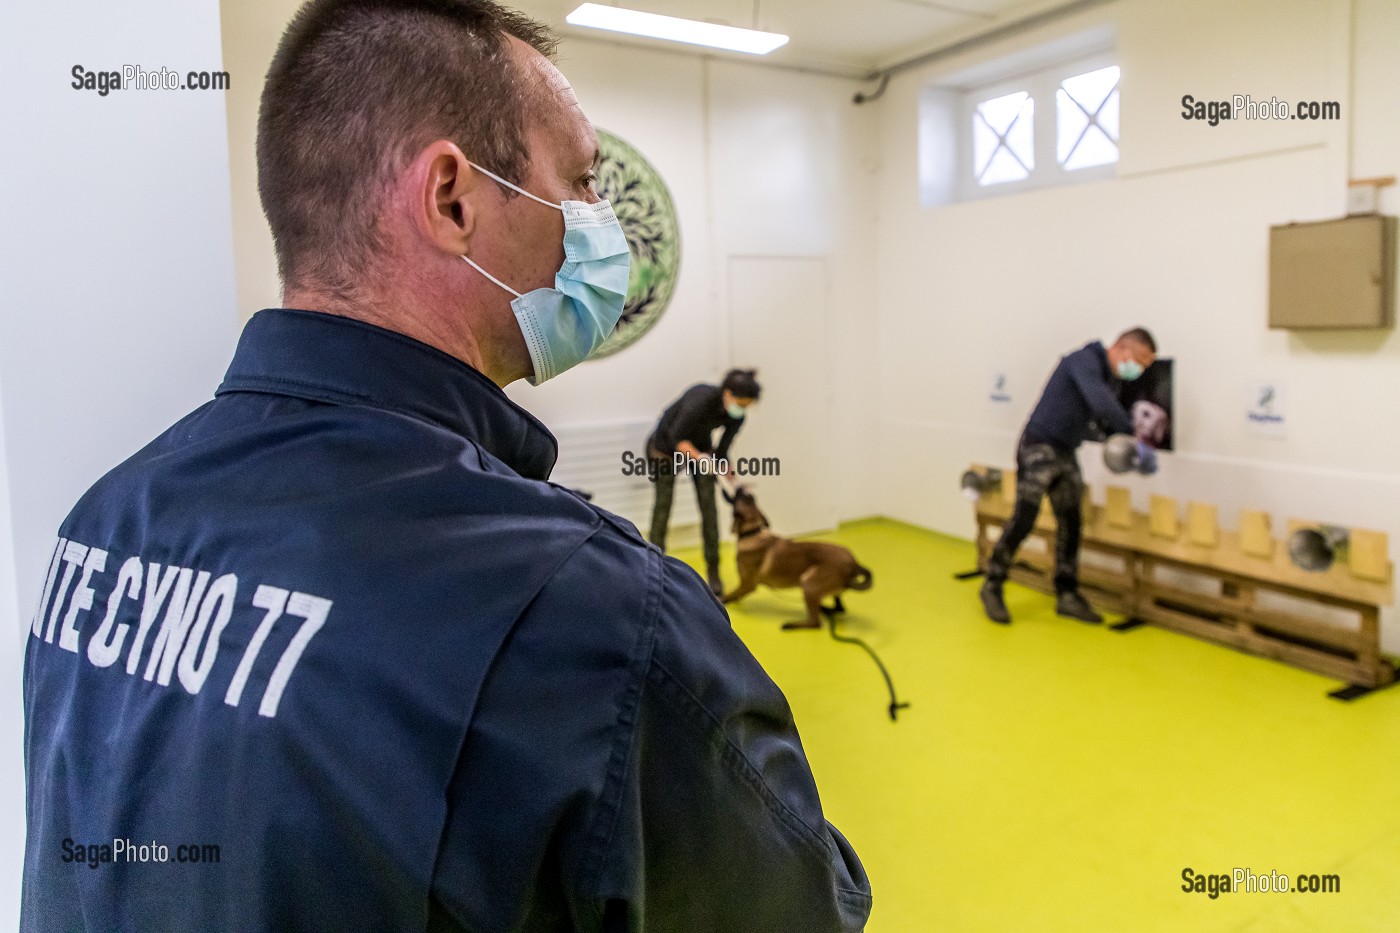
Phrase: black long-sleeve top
(694, 417)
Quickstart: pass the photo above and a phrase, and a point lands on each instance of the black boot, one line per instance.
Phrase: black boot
(1073, 606)
(993, 604)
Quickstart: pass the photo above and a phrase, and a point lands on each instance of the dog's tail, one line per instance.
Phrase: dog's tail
(860, 579)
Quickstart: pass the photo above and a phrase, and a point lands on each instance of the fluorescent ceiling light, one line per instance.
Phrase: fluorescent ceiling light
(695, 32)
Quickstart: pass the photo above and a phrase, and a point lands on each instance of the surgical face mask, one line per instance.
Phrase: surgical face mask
(735, 410)
(563, 325)
(1128, 370)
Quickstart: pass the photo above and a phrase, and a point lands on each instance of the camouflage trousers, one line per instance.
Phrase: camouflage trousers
(1043, 470)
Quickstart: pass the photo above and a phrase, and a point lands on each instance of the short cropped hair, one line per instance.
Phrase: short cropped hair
(355, 90)
(1140, 335)
(742, 383)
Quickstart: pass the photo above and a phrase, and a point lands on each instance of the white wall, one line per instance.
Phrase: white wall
(117, 300)
(1178, 242)
(11, 719)
(250, 30)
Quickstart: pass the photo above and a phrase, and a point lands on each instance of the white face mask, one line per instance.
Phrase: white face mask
(563, 325)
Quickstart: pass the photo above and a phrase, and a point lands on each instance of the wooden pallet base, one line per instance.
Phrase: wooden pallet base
(1230, 615)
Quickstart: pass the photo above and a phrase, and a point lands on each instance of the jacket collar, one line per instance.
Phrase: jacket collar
(328, 358)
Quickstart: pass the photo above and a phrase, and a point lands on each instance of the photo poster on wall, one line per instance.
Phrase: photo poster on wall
(1149, 400)
(644, 208)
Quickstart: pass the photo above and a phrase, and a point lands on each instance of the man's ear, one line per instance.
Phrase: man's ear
(443, 186)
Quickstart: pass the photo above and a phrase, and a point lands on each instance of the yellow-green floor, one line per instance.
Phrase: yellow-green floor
(1052, 775)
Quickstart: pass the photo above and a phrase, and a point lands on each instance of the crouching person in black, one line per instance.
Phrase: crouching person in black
(683, 438)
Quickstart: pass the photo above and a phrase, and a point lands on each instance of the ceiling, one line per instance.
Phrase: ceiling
(853, 37)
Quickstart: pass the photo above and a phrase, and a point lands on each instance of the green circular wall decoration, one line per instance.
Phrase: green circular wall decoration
(643, 206)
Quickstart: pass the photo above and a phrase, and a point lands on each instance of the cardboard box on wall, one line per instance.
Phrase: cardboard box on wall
(1333, 275)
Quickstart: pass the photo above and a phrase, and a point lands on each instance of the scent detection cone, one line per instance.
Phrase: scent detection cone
(1120, 453)
(1317, 549)
(975, 485)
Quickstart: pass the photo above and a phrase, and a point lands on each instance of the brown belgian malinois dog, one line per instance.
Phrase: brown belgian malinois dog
(820, 569)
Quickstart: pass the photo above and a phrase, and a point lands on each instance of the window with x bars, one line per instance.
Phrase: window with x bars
(1084, 122)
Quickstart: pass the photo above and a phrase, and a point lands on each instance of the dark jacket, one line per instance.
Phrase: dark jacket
(337, 654)
(1080, 393)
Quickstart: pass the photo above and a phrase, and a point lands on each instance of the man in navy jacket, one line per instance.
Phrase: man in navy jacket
(1079, 396)
(331, 654)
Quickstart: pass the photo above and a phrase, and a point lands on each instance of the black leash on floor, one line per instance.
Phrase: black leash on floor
(895, 705)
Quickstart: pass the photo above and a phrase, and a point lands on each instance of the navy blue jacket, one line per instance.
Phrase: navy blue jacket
(339, 658)
(1080, 391)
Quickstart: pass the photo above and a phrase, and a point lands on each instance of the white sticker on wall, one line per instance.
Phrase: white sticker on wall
(1266, 409)
(1001, 391)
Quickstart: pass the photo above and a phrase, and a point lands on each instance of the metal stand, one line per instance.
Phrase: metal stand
(1355, 691)
(979, 572)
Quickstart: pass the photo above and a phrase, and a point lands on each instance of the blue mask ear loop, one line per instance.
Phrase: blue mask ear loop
(469, 261)
(513, 187)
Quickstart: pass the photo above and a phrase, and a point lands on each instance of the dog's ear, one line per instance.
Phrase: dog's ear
(727, 497)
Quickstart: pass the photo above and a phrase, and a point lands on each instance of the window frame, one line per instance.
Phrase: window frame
(1043, 84)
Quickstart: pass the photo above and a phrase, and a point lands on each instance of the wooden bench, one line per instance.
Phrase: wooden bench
(1234, 577)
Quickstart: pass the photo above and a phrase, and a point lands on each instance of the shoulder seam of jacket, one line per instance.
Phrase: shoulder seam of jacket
(743, 768)
(624, 746)
(490, 667)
